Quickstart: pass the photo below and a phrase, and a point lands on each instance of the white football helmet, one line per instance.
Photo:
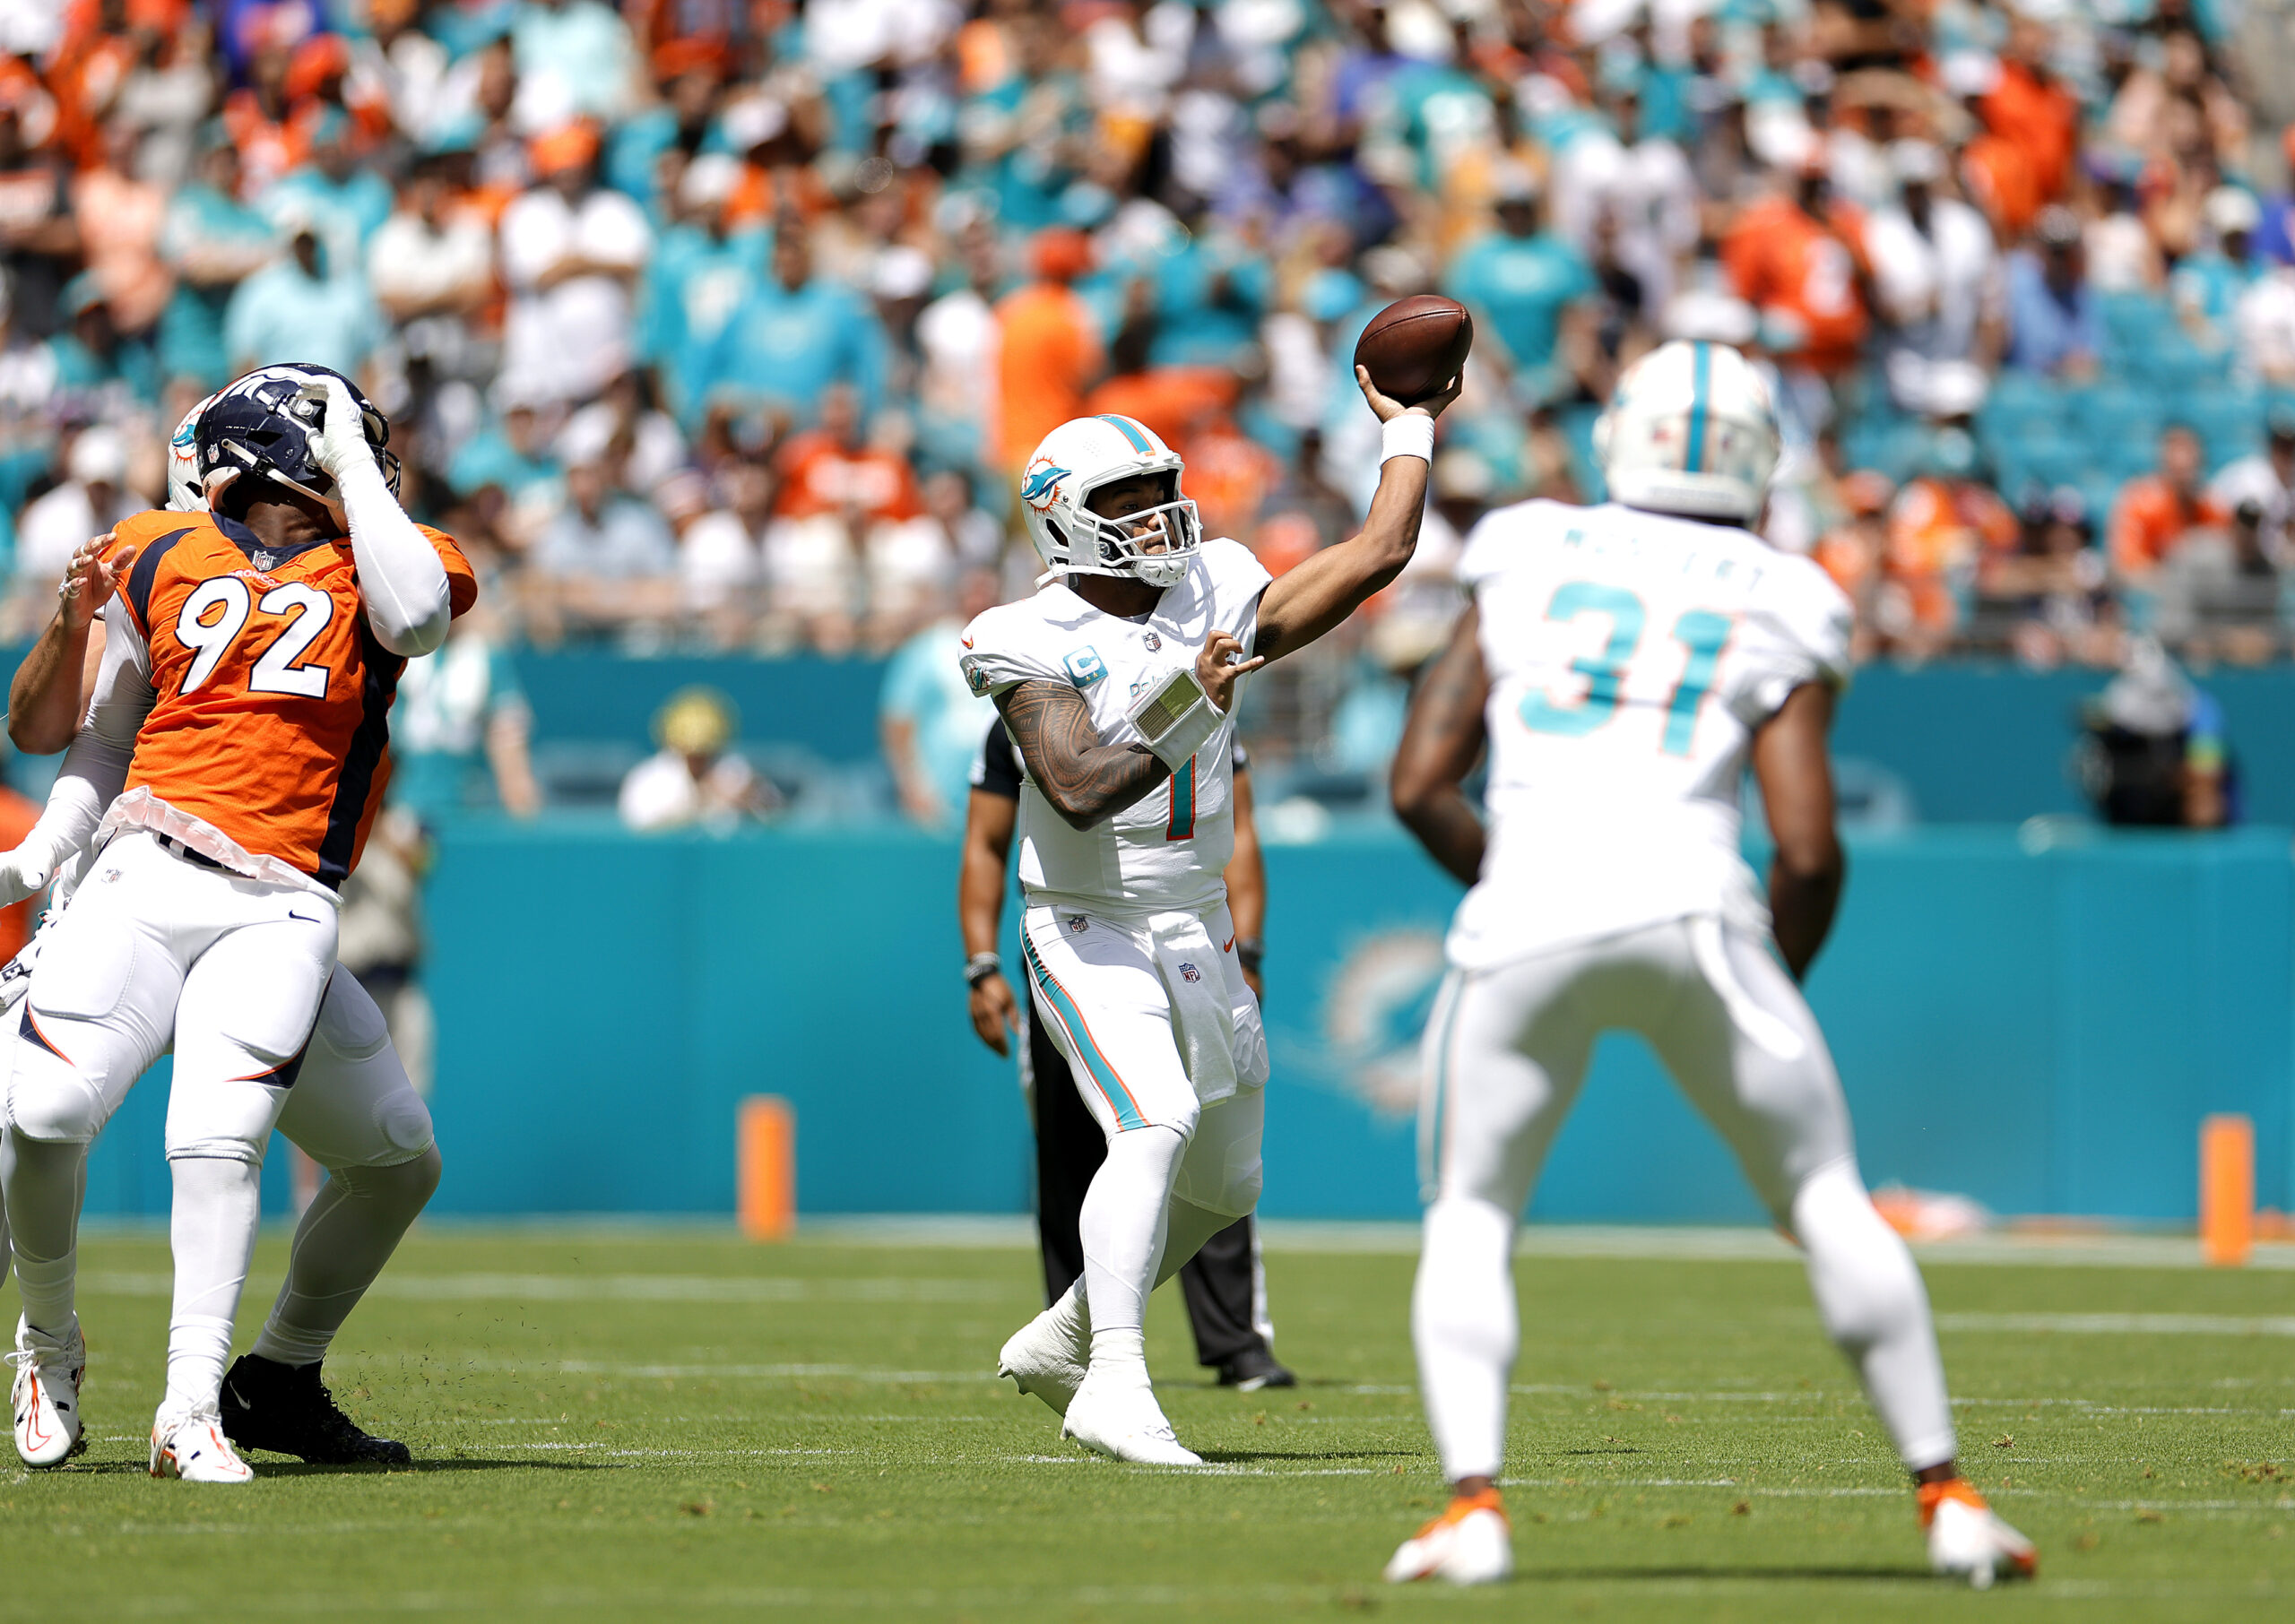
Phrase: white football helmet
(1690, 430)
(1081, 457)
(186, 493)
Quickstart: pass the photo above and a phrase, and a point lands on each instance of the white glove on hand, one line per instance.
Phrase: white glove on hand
(24, 872)
(341, 444)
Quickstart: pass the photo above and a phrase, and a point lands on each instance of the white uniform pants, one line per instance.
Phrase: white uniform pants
(1099, 988)
(1507, 1050)
(239, 977)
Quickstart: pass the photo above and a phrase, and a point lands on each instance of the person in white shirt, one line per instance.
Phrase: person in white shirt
(92, 499)
(570, 251)
(1623, 665)
(2266, 478)
(1117, 682)
(1934, 266)
(693, 779)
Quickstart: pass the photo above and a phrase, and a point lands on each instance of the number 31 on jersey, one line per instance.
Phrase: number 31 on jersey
(1702, 633)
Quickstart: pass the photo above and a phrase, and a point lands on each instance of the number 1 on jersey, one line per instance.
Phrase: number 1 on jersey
(1704, 635)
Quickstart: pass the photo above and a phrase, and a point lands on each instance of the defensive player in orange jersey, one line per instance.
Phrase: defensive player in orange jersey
(352, 1108)
(243, 700)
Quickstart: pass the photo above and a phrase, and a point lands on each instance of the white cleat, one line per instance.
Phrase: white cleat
(1470, 1543)
(190, 1445)
(46, 1394)
(1123, 1419)
(1967, 1539)
(1046, 1357)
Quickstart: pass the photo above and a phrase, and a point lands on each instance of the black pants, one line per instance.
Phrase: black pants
(1221, 1281)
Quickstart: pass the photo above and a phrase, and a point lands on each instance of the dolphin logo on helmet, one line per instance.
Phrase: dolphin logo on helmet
(1085, 456)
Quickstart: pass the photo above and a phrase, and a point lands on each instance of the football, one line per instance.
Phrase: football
(1415, 346)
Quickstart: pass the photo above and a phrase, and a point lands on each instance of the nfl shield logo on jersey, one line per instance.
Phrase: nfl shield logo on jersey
(1153, 642)
(1189, 972)
(1078, 924)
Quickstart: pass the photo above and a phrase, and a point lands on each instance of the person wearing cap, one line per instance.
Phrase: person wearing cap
(571, 252)
(303, 308)
(2209, 281)
(606, 558)
(701, 273)
(93, 496)
(694, 778)
(2054, 326)
(100, 374)
(2267, 479)
(1798, 257)
(1936, 272)
(212, 241)
(344, 199)
(1051, 351)
(1526, 286)
(431, 266)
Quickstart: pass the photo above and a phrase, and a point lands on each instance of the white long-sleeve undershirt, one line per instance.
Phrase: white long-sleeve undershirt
(401, 576)
(95, 767)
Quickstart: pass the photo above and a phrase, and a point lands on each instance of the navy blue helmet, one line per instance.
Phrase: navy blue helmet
(266, 424)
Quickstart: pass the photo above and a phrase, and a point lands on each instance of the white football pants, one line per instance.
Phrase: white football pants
(1506, 1052)
(1124, 1009)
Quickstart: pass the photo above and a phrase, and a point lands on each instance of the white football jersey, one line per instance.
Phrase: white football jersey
(1168, 849)
(1632, 656)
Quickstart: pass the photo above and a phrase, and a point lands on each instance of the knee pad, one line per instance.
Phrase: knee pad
(406, 1185)
(50, 1102)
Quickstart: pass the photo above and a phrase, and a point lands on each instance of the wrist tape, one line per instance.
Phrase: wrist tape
(1176, 717)
(1410, 433)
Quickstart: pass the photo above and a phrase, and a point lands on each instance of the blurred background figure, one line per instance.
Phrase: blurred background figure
(694, 779)
(928, 719)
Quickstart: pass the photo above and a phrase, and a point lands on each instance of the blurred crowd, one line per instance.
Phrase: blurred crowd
(727, 323)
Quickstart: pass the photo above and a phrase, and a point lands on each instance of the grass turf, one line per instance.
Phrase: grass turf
(657, 1423)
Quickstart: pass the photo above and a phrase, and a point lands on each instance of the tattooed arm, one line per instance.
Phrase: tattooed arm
(1439, 744)
(1084, 780)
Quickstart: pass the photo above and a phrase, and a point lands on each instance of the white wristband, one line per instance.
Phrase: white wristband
(1176, 718)
(1408, 433)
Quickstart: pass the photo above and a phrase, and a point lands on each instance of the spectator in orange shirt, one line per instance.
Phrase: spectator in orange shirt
(832, 469)
(2155, 511)
(2027, 108)
(1798, 258)
(1050, 351)
(1941, 526)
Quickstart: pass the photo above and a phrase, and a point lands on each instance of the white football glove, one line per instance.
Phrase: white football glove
(341, 443)
(25, 872)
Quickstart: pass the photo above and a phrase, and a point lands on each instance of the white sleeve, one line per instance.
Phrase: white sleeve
(1798, 633)
(95, 767)
(995, 658)
(401, 576)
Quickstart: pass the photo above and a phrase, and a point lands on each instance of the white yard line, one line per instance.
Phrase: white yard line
(2125, 1324)
(616, 1287)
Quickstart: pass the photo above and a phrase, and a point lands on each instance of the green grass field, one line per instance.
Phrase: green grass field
(656, 1423)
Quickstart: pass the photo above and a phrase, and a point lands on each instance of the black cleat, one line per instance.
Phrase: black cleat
(287, 1410)
(1253, 1369)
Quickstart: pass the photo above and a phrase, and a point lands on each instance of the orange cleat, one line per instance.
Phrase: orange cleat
(1967, 1540)
(1470, 1543)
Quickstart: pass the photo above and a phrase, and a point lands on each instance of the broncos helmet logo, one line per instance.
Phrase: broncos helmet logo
(1040, 486)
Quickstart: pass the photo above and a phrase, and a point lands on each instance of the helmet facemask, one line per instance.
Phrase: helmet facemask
(1121, 545)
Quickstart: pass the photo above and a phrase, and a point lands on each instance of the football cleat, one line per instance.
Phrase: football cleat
(1470, 1543)
(1120, 1417)
(46, 1397)
(1049, 1355)
(287, 1410)
(1253, 1369)
(1967, 1540)
(190, 1445)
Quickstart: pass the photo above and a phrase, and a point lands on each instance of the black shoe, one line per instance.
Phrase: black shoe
(1253, 1369)
(287, 1410)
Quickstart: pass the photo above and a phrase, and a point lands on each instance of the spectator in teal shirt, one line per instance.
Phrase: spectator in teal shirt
(1521, 283)
(343, 200)
(697, 279)
(295, 311)
(793, 336)
(213, 242)
(100, 375)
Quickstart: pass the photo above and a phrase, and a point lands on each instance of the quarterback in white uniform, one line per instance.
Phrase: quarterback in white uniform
(1117, 682)
(1622, 664)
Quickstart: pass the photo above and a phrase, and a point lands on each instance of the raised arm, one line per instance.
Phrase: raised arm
(44, 698)
(1317, 594)
(1441, 743)
(403, 580)
(1796, 777)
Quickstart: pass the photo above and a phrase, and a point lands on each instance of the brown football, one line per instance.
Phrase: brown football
(1415, 346)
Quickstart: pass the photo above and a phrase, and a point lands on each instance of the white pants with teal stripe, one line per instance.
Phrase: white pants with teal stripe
(1102, 989)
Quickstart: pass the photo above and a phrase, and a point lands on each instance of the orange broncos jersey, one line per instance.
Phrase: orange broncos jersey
(272, 720)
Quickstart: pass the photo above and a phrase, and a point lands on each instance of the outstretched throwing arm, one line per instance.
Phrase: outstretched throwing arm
(1327, 588)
